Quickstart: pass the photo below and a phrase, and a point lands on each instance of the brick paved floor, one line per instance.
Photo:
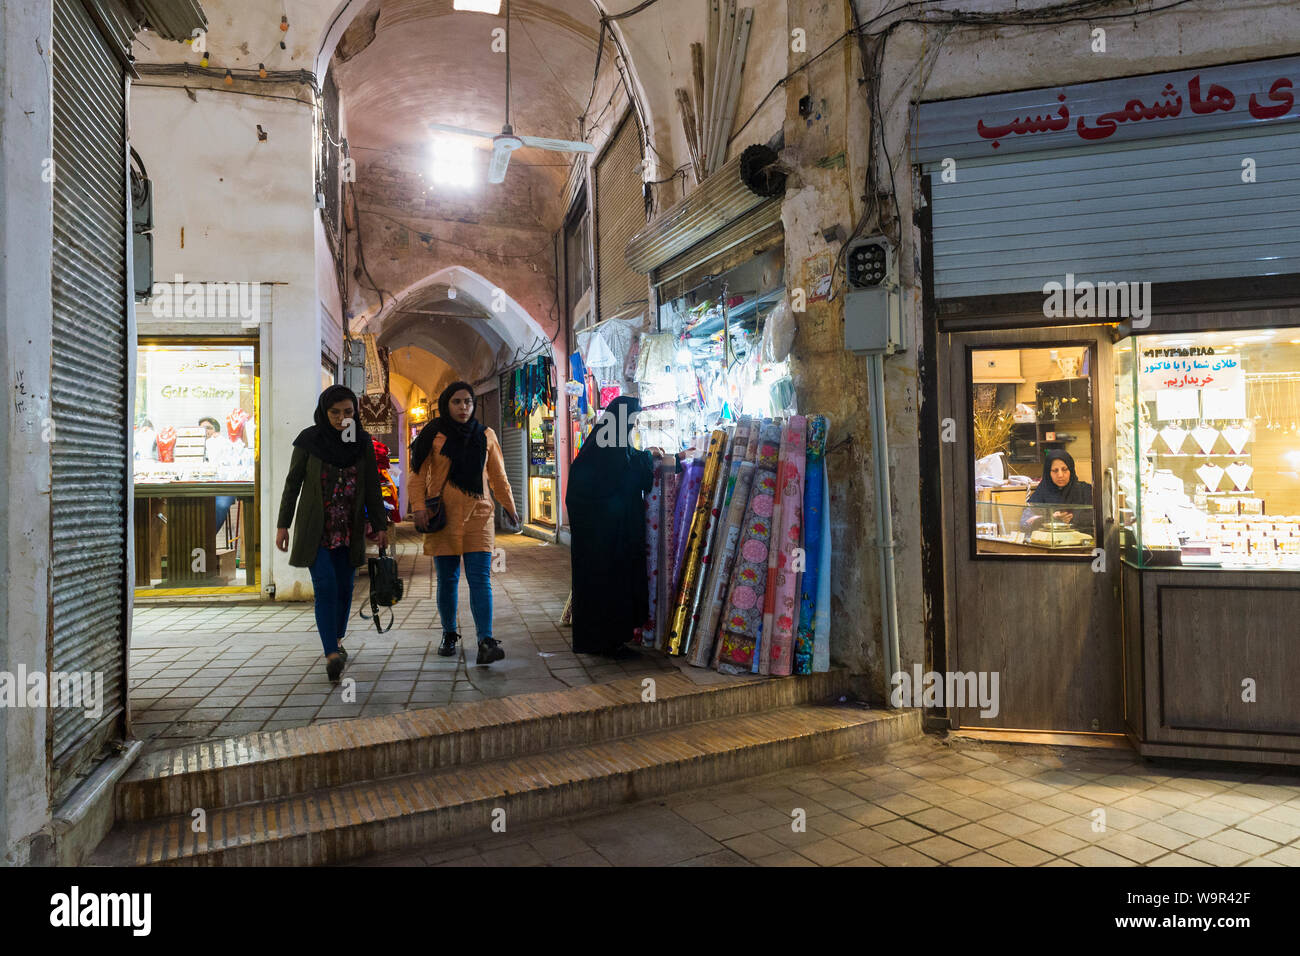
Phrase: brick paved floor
(930, 802)
(201, 672)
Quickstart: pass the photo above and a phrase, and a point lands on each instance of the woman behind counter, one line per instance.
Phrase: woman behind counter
(457, 458)
(1059, 486)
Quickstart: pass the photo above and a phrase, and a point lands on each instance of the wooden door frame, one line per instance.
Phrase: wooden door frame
(955, 392)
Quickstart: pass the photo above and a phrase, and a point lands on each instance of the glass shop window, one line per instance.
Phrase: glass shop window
(1031, 436)
(1208, 445)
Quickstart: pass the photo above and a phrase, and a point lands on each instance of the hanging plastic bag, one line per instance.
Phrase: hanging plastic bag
(778, 333)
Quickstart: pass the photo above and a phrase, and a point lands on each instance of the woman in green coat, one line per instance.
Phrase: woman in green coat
(334, 482)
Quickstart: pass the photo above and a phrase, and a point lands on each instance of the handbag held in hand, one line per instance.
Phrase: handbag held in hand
(385, 588)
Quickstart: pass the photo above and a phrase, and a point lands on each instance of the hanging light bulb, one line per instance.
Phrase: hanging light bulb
(229, 79)
(284, 23)
(203, 60)
(451, 292)
(261, 70)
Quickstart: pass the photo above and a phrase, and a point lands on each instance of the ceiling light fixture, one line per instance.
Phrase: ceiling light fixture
(477, 6)
(451, 292)
(453, 162)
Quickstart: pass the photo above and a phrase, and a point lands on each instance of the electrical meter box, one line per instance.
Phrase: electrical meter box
(872, 311)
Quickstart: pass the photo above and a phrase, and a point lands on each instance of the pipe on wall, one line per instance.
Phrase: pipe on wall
(885, 517)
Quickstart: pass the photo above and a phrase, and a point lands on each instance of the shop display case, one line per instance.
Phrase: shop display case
(1030, 527)
(1206, 500)
(1208, 450)
(194, 454)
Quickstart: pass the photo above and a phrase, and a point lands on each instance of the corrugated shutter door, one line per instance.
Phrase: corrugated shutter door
(514, 451)
(620, 214)
(89, 387)
(1168, 210)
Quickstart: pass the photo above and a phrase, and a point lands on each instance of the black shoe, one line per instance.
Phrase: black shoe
(489, 650)
(448, 646)
(343, 654)
(333, 668)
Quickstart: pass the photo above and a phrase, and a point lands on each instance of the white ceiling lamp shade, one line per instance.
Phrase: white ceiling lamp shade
(506, 142)
(477, 6)
(451, 292)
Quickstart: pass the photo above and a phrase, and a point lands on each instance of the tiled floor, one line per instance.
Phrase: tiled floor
(216, 671)
(930, 803)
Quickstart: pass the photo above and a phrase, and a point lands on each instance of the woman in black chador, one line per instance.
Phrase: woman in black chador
(1060, 486)
(607, 484)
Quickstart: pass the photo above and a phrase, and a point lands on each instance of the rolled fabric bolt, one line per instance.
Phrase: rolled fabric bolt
(705, 652)
(742, 614)
(787, 538)
(695, 542)
(706, 549)
(813, 504)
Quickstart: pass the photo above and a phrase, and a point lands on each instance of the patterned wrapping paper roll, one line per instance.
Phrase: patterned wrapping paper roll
(668, 478)
(705, 652)
(783, 588)
(688, 492)
(713, 539)
(822, 621)
(813, 503)
(695, 542)
(652, 519)
(762, 661)
(742, 616)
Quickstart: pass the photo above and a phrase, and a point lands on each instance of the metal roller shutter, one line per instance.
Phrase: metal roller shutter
(514, 449)
(620, 214)
(1171, 209)
(89, 386)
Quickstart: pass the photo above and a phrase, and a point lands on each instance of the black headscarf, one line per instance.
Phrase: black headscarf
(465, 445)
(324, 440)
(1075, 492)
(598, 468)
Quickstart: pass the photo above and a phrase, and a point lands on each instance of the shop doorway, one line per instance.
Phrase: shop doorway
(1028, 453)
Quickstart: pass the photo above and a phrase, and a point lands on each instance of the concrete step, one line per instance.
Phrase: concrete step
(345, 822)
(275, 764)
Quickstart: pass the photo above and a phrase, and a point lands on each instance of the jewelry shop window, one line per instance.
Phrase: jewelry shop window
(1032, 443)
(1208, 437)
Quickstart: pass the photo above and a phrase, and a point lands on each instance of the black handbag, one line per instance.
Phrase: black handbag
(437, 519)
(385, 588)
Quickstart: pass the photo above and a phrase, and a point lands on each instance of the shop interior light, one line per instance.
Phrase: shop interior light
(477, 6)
(453, 162)
(684, 356)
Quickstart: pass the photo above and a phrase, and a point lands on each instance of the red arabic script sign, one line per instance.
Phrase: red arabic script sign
(1133, 108)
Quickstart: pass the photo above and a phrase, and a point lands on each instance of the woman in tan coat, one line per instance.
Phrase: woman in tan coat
(456, 458)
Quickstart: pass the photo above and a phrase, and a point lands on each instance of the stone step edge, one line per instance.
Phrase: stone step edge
(281, 763)
(548, 795)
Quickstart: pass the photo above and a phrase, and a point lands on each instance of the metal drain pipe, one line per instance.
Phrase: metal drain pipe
(884, 516)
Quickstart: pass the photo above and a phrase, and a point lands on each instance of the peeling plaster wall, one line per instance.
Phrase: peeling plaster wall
(248, 212)
(26, 329)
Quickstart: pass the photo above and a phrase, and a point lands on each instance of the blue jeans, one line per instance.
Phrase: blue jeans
(478, 570)
(332, 576)
(224, 503)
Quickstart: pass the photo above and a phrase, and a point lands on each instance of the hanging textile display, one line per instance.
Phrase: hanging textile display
(578, 373)
(694, 540)
(812, 543)
(782, 586)
(822, 620)
(743, 614)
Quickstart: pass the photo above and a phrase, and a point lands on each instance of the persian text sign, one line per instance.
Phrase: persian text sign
(1238, 95)
(1164, 368)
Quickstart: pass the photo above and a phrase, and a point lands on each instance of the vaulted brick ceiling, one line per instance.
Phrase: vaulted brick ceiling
(405, 63)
